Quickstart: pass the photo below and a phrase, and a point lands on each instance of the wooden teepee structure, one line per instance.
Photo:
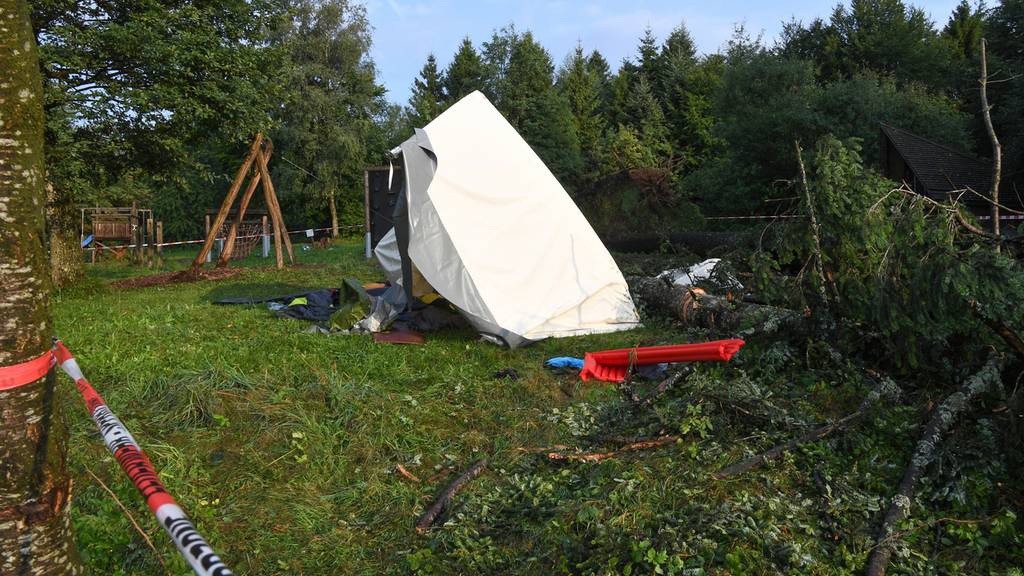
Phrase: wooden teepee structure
(259, 155)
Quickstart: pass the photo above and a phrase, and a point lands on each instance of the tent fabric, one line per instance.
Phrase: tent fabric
(389, 257)
(492, 231)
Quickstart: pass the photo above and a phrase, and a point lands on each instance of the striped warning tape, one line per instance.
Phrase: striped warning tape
(133, 460)
(183, 242)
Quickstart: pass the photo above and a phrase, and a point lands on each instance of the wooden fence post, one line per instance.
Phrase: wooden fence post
(265, 240)
(160, 244)
(133, 224)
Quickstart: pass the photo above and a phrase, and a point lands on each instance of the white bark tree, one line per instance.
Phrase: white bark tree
(35, 490)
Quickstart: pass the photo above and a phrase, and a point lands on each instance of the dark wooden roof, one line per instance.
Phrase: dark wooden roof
(939, 168)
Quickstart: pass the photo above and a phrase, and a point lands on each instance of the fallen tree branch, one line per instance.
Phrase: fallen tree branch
(883, 388)
(430, 516)
(819, 261)
(598, 456)
(695, 307)
(1012, 339)
(941, 421)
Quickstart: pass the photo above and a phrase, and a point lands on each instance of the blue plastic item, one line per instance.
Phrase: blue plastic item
(87, 241)
(564, 362)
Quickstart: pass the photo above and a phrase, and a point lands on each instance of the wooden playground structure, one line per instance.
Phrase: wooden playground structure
(135, 226)
(259, 155)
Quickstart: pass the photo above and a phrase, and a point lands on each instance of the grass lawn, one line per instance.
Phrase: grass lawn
(282, 446)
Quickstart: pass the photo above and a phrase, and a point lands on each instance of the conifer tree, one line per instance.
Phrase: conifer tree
(649, 61)
(602, 74)
(428, 99)
(964, 28)
(496, 54)
(645, 117)
(529, 76)
(578, 84)
(465, 74)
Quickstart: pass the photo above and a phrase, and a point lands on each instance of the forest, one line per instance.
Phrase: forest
(155, 103)
(872, 422)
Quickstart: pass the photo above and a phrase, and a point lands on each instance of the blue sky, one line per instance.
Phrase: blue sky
(405, 31)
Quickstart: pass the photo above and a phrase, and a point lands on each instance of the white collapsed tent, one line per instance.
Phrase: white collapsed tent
(483, 223)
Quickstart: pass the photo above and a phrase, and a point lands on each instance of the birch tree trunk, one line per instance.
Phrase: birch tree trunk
(35, 490)
(997, 149)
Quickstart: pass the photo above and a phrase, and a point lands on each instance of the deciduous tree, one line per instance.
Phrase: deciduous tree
(35, 490)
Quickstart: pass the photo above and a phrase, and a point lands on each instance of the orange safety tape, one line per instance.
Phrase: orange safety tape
(27, 372)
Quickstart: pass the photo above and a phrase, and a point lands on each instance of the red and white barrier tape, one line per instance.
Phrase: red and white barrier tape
(192, 546)
(181, 242)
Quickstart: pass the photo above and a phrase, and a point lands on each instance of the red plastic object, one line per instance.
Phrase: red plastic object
(611, 365)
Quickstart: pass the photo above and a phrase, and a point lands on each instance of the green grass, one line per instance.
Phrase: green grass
(282, 446)
(295, 435)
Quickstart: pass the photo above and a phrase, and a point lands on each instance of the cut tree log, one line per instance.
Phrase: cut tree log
(884, 388)
(695, 307)
(941, 421)
(430, 516)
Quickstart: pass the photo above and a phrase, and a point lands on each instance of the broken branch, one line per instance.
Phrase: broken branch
(430, 516)
(598, 456)
(941, 421)
(130, 517)
(883, 388)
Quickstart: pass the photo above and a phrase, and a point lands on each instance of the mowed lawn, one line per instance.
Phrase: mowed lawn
(282, 445)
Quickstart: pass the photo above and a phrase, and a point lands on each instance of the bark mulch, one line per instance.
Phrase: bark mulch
(179, 277)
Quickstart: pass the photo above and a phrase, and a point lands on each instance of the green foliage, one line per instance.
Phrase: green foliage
(884, 36)
(766, 102)
(427, 99)
(964, 28)
(325, 134)
(580, 85)
(465, 74)
(901, 268)
(130, 89)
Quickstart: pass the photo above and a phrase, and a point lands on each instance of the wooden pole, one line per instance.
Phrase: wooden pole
(207, 233)
(133, 224)
(160, 244)
(225, 206)
(274, 208)
(268, 194)
(147, 246)
(265, 240)
(254, 180)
